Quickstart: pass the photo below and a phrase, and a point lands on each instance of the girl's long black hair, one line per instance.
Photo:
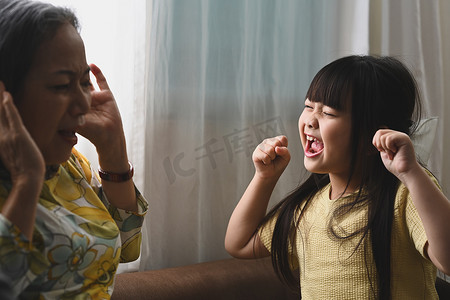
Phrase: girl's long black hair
(381, 93)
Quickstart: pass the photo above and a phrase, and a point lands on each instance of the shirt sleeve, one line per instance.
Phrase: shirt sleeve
(19, 260)
(413, 220)
(265, 234)
(129, 223)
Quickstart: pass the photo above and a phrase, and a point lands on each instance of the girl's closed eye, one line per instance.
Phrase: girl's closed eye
(308, 105)
(329, 111)
(329, 114)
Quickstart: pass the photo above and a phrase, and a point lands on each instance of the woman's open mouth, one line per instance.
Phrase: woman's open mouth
(69, 136)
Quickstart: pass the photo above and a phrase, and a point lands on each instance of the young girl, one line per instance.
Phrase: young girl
(370, 222)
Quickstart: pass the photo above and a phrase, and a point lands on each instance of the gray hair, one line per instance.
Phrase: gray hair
(24, 26)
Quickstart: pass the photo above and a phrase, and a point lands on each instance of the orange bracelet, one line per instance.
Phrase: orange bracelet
(116, 177)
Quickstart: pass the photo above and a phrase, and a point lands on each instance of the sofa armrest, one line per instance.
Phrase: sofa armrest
(223, 279)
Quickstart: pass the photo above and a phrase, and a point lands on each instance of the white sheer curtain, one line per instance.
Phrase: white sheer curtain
(418, 32)
(223, 75)
(201, 82)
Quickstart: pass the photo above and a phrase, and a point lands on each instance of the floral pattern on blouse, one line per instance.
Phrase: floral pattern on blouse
(78, 239)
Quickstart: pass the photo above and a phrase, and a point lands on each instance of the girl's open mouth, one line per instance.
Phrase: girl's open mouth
(313, 146)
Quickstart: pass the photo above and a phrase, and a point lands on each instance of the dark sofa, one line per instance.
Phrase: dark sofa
(228, 279)
(222, 279)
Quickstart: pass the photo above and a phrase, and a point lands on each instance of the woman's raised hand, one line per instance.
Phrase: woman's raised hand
(103, 122)
(18, 151)
(22, 158)
(271, 157)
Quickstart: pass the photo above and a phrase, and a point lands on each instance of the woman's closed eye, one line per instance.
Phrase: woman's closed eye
(60, 87)
(86, 84)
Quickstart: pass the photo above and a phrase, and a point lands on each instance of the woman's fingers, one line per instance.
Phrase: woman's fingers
(3, 96)
(100, 78)
(11, 113)
(18, 151)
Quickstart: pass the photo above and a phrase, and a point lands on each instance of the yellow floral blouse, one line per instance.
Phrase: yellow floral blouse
(78, 240)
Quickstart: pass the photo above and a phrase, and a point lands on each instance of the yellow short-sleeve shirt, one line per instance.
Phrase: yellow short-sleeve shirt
(331, 269)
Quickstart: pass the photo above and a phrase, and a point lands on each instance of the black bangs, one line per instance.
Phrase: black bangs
(332, 86)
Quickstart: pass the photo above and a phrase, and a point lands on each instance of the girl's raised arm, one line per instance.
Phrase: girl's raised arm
(270, 159)
(398, 156)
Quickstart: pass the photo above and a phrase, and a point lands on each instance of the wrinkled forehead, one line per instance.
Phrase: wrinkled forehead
(64, 51)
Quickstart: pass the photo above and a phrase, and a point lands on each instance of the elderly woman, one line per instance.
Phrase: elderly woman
(63, 228)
